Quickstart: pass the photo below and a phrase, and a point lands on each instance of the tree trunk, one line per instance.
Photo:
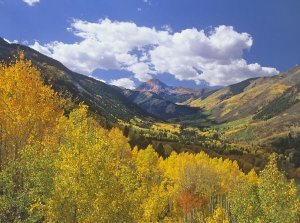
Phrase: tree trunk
(74, 220)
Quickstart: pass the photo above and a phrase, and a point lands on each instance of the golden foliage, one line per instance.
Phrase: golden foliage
(58, 168)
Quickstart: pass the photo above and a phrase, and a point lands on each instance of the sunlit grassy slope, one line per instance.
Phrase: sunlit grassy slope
(264, 111)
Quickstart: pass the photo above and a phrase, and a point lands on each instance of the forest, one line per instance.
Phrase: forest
(59, 165)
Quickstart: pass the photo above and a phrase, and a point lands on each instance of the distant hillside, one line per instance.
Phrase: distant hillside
(159, 106)
(104, 100)
(260, 111)
(248, 97)
(288, 99)
(171, 93)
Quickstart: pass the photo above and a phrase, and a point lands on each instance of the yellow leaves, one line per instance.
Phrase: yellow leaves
(292, 189)
(172, 128)
(147, 167)
(29, 113)
(29, 109)
(252, 177)
(155, 204)
(278, 89)
(34, 206)
(225, 112)
(119, 145)
(83, 173)
(218, 217)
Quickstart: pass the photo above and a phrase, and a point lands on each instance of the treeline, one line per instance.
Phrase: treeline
(57, 167)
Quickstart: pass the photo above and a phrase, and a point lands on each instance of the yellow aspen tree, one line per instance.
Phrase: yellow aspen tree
(244, 199)
(91, 176)
(219, 216)
(278, 197)
(29, 109)
(29, 112)
(151, 189)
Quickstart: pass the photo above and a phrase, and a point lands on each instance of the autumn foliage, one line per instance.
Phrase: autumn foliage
(66, 168)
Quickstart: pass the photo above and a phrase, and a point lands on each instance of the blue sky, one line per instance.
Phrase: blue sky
(180, 42)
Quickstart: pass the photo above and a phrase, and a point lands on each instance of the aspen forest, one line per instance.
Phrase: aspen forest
(60, 165)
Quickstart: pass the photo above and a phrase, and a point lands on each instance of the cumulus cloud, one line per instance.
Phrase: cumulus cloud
(31, 2)
(123, 82)
(215, 57)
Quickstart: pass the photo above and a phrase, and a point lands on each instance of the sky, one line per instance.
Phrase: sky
(191, 43)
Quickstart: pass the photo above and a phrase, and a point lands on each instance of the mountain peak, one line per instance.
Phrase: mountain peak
(155, 81)
(153, 85)
(172, 93)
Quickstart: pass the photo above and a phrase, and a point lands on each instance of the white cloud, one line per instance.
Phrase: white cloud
(14, 41)
(105, 45)
(215, 57)
(141, 71)
(31, 2)
(41, 49)
(123, 82)
(24, 42)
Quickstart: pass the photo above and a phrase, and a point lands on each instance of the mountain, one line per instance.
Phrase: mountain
(171, 93)
(259, 111)
(106, 101)
(161, 108)
(290, 98)
(247, 97)
(262, 111)
(109, 103)
(154, 85)
(167, 103)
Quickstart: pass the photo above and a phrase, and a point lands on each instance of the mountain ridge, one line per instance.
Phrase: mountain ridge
(158, 106)
(239, 111)
(172, 93)
(102, 98)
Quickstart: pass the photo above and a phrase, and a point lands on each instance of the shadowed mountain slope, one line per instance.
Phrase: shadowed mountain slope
(160, 107)
(104, 100)
(171, 93)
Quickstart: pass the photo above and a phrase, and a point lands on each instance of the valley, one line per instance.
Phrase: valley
(74, 149)
(149, 111)
(237, 122)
